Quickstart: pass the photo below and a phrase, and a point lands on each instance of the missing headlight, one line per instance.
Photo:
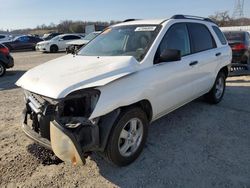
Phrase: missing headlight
(77, 107)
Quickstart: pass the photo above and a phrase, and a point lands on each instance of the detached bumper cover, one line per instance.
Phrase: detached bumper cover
(68, 144)
(65, 145)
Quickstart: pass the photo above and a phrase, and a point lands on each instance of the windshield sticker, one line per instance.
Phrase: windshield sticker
(149, 28)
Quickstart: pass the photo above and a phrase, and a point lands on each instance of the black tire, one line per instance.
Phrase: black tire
(248, 63)
(2, 69)
(112, 151)
(54, 48)
(213, 96)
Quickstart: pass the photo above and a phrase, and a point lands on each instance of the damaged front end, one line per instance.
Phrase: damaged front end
(63, 125)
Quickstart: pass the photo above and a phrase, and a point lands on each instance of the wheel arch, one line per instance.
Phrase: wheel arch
(107, 121)
(225, 70)
(145, 105)
(54, 45)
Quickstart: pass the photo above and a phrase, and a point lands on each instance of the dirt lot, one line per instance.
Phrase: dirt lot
(199, 145)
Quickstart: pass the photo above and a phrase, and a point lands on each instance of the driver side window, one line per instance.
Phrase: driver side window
(23, 39)
(176, 38)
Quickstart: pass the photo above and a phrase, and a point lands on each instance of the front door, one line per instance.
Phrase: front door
(173, 82)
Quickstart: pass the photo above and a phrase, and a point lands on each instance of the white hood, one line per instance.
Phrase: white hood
(59, 77)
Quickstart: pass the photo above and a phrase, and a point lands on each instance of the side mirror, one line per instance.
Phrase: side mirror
(169, 55)
(60, 39)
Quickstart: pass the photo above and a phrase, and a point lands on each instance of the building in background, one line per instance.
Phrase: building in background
(236, 28)
(94, 27)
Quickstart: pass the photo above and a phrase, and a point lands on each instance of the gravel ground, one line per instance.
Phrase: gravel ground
(198, 145)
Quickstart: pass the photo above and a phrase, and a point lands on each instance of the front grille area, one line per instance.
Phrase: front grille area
(40, 112)
(39, 105)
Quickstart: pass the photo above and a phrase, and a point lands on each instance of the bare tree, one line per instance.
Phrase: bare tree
(222, 18)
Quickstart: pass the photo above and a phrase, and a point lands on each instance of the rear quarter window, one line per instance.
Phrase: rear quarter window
(220, 35)
(201, 38)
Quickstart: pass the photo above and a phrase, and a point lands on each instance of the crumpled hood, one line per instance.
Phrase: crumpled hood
(59, 77)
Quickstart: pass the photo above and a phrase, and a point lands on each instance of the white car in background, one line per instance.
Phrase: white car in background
(5, 38)
(77, 44)
(58, 43)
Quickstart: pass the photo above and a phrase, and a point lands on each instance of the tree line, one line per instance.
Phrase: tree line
(66, 26)
(223, 19)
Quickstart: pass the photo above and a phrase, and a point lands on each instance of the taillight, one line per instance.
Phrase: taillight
(239, 47)
(5, 51)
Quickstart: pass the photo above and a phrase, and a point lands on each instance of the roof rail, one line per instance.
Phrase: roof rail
(130, 20)
(180, 16)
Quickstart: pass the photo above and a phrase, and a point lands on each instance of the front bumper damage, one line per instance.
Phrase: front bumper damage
(70, 144)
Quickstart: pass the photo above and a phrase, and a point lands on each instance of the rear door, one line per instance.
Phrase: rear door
(205, 55)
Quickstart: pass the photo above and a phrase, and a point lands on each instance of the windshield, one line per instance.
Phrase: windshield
(133, 40)
(234, 36)
(55, 38)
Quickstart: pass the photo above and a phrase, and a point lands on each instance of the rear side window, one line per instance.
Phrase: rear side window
(201, 37)
(71, 37)
(2, 36)
(220, 35)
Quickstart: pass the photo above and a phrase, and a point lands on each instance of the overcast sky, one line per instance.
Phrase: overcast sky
(19, 14)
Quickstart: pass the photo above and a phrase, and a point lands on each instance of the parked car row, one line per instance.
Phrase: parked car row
(51, 42)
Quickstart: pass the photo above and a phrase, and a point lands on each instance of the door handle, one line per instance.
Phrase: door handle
(218, 54)
(193, 63)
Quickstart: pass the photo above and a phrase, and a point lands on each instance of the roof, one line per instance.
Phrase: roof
(142, 22)
(160, 21)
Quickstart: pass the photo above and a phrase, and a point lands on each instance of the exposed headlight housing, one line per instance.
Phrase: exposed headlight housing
(77, 107)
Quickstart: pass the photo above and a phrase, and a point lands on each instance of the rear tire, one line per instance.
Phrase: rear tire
(128, 137)
(248, 63)
(216, 94)
(54, 49)
(2, 69)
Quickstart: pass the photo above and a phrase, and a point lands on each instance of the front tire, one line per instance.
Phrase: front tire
(216, 94)
(54, 49)
(128, 137)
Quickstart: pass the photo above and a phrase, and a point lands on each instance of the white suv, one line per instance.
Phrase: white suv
(58, 43)
(104, 97)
